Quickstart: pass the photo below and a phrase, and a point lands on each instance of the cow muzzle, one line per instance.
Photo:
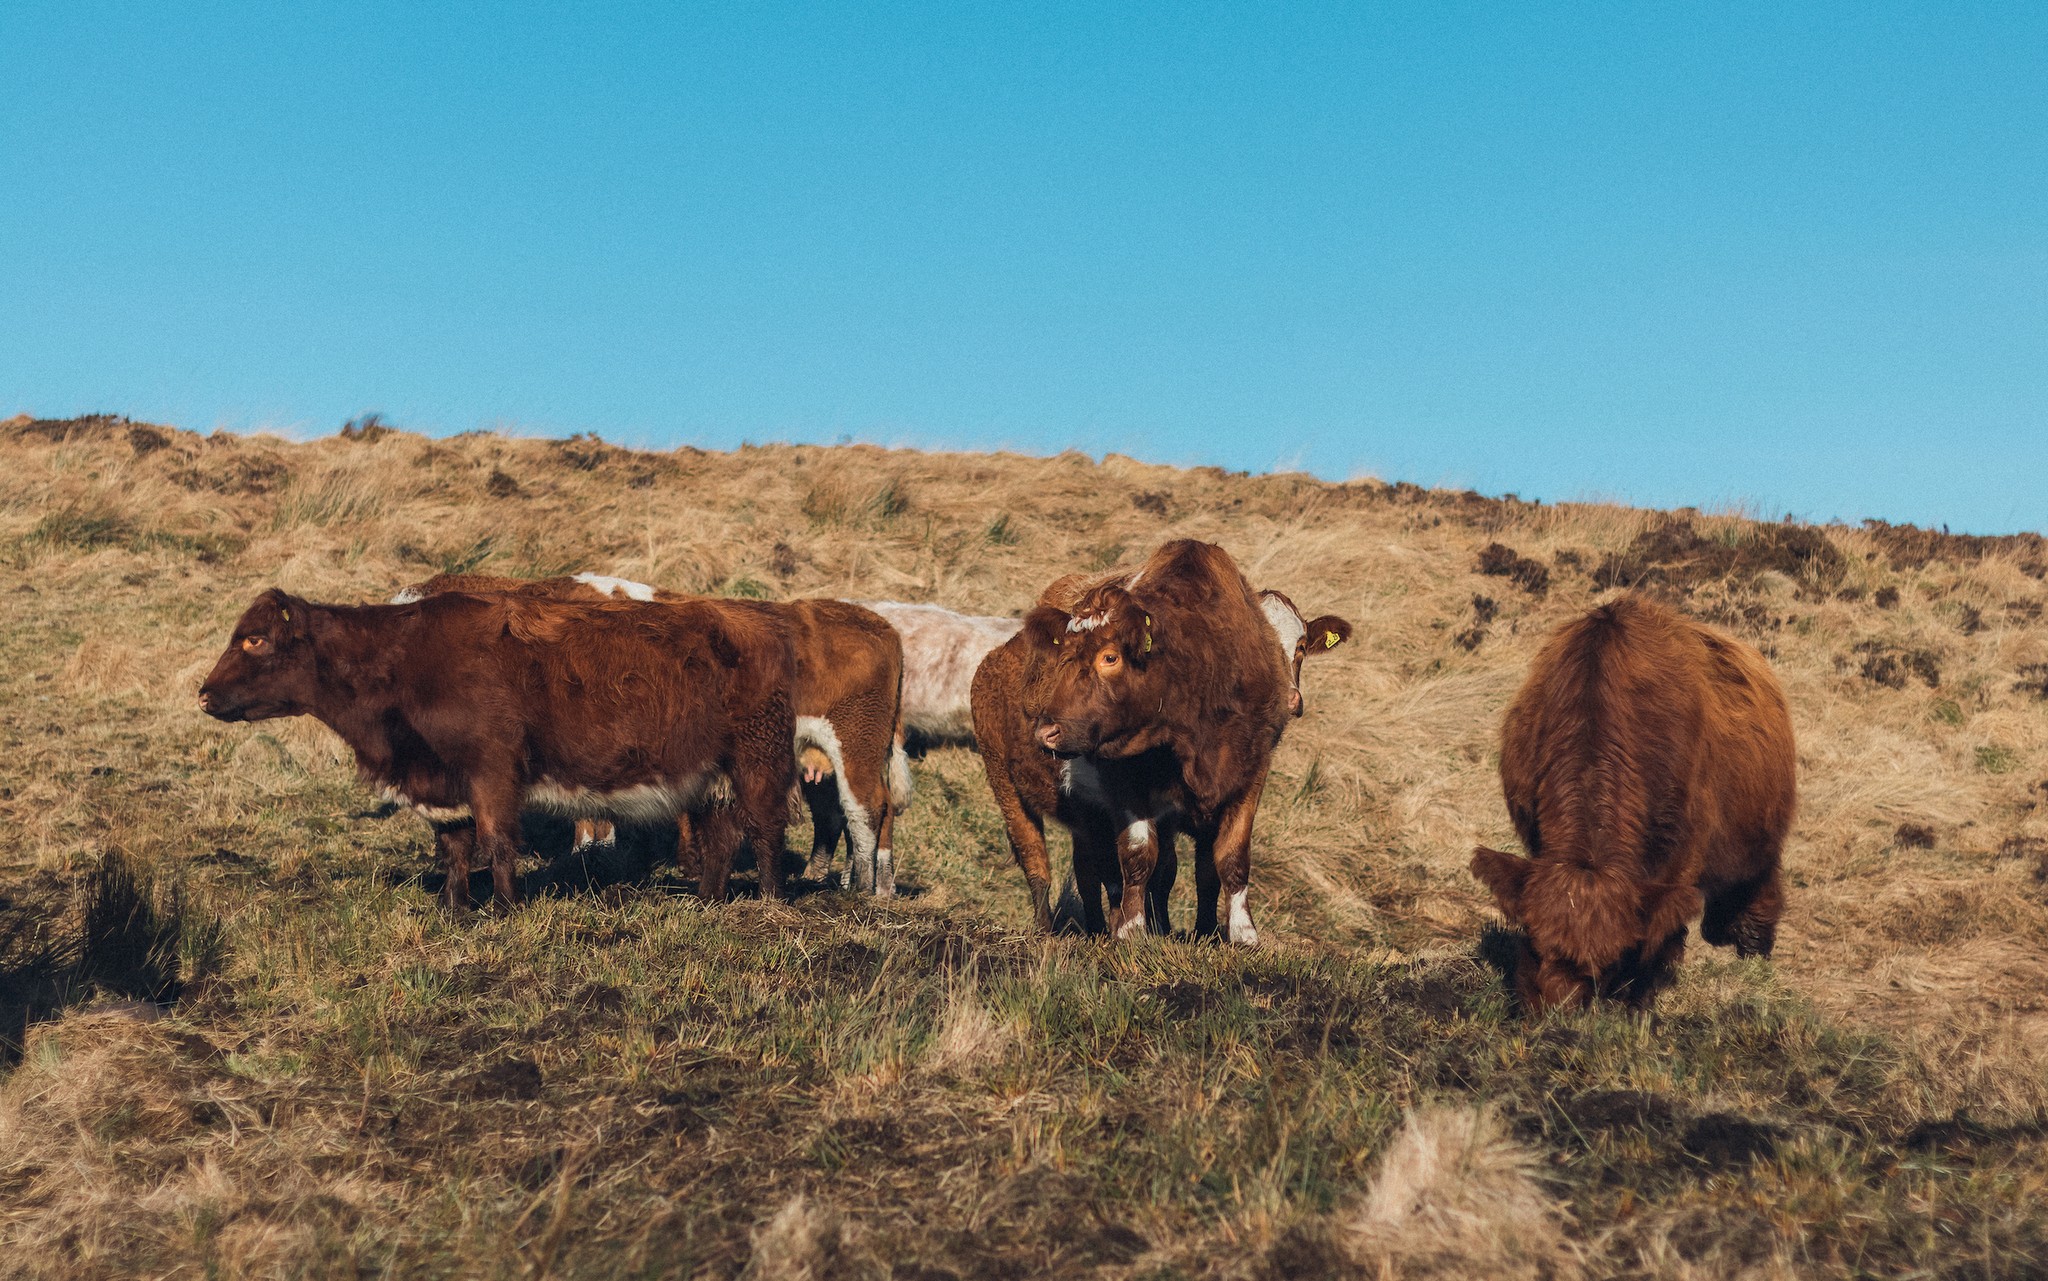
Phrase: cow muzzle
(1053, 738)
(221, 710)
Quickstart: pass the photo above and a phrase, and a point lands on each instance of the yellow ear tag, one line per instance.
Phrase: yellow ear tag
(1148, 638)
(287, 614)
(1055, 640)
(1329, 640)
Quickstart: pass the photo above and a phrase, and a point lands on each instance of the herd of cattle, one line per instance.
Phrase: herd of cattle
(1647, 762)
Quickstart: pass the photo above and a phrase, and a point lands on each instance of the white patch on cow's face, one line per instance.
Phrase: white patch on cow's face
(407, 596)
(1088, 624)
(617, 586)
(1242, 932)
(1286, 623)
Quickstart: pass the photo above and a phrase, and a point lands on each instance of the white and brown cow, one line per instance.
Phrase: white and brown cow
(941, 649)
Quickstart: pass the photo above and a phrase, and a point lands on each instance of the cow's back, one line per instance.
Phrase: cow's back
(674, 681)
(1642, 735)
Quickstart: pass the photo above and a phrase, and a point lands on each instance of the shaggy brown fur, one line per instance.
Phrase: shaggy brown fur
(1649, 769)
(474, 706)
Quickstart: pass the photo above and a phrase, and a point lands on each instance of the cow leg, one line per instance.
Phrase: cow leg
(828, 824)
(1207, 884)
(864, 746)
(713, 841)
(1159, 890)
(688, 855)
(1027, 841)
(496, 808)
(1092, 856)
(1234, 861)
(455, 842)
(885, 832)
(1745, 914)
(762, 805)
(1137, 853)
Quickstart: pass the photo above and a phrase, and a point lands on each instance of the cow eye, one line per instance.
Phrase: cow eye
(1108, 661)
(255, 644)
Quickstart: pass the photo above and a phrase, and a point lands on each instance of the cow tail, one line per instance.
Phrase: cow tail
(900, 784)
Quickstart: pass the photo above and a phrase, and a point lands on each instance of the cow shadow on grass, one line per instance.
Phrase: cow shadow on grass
(641, 858)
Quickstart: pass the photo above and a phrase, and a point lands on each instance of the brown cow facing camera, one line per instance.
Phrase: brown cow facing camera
(1648, 767)
(474, 706)
(1133, 707)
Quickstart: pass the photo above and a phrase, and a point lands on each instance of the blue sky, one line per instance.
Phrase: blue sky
(1793, 258)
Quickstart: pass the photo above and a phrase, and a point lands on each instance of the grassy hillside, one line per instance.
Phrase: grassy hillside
(618, 1080)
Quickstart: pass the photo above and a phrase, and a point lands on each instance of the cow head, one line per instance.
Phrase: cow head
(1300, 639)
(1100, 681)
(268, 669)
(1587, 930)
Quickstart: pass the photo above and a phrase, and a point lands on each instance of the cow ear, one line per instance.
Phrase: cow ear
(291, 614)
(1327, 632)
(1666, 909)
(1046, 626)
(1504, 874)
(1146, 638)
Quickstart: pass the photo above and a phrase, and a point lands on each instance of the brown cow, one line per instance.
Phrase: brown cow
(1649, 770)
(849, 676)
(1149, 703)
(1095, 865)
(474, 706)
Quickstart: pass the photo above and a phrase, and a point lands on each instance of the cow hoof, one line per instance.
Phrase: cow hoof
(818, 870)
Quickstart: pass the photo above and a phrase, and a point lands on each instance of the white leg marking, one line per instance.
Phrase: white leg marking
(885, 874)
(819, 733)
(1138, 834)
(1135, 925)
(1241, 929)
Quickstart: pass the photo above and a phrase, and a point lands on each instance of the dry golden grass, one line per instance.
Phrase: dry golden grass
(839, 1089)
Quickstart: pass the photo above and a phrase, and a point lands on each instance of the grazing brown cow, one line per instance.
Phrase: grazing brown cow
(849, 676)
(474, 706)
(1649, 770)
(1138, 706)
